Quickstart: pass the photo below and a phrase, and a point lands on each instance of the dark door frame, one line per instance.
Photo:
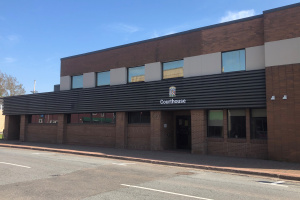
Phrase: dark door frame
(183, 132)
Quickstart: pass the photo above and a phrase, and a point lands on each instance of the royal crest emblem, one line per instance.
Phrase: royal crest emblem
(172, 91)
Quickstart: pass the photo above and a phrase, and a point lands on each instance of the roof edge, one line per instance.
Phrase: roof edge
(281, 8)
(168, 36)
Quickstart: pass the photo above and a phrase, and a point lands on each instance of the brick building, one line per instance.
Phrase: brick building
(229, 89)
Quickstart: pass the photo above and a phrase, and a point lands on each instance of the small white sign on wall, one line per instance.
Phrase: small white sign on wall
(165, 125)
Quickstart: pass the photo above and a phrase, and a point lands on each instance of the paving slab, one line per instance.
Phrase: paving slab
(269, 168)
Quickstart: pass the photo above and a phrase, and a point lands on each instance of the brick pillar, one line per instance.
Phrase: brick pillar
(225, 125)
(5, 131)
(248, 133)
(225, 131)
(61, 126)
(23, 127)
(199, 127)
(156, 124)
(121, 130)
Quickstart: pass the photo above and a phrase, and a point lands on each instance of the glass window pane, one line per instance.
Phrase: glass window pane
(84, 118)
(233, 61)
(103, 78)
(35, 119)
(259, 128)
(136, 74)
(173, 69)
(110, 117)
(103, 117)
(139, 117)
(50, 119)
(43, 119)
(77, 82)
(237, 123)
(80, 118)
(145, 117)
(215, 123)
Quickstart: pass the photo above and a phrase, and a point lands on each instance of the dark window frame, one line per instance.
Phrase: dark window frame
(140, 119)
(91, 121)
(29, 119)
(252, 135)
(228, 131)
(162, 69)
(232, 51)
(135, 81)
(222, 133)
(97, 79)
(72, 82)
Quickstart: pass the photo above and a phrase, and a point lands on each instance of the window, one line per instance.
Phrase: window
(173, 69)
(215, 123)
(103, 118)
(43, 119)
(237, 123)
(258, 123)
(103, 78)
(77, 82)
(83, 118)
(136, 74)
(139, 117)
(233, 61)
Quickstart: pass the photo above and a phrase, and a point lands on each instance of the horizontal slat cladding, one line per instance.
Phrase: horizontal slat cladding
(228, 90)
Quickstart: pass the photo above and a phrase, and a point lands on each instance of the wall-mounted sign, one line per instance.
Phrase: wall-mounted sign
(172, 101)
(172, 91)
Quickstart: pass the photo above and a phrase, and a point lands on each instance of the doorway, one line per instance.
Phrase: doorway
(13, 129)
(183, 132)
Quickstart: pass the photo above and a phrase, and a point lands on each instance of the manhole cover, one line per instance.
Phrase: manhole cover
(185, 173)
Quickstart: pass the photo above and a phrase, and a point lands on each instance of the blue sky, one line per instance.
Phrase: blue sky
(35, 34)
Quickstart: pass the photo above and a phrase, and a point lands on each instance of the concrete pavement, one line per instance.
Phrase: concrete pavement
(283, 170)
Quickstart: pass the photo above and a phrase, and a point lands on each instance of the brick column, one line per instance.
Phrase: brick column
(23, 127)
(61, 126)
(156, 124)
(199, 127)
(121, 130)
(5, 131)
(248, 137)
(225, 125)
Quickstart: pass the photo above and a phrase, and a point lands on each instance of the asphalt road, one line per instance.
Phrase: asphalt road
(28, 174)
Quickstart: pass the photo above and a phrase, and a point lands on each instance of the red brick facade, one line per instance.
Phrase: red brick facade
(283, 115)
(283, 24)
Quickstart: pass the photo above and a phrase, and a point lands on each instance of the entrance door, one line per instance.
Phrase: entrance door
(183, 132)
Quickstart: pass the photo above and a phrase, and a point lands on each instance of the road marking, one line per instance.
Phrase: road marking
(277, 183)
(162, 191)
(14, 164)
(39, 153)
(123, 164)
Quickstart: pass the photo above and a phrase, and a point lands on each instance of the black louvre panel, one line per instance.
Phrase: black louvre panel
(245, 89)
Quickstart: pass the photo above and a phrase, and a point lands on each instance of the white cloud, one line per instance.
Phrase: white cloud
(237, 15)
(124, 28)
(9, 60)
